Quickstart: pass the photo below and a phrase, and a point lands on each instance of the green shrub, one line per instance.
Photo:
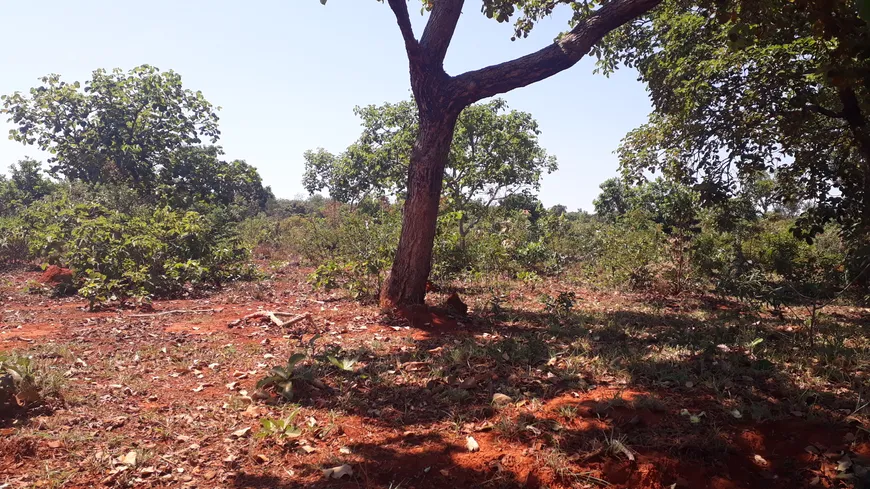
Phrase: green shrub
(25, 383)
(116, 256)
(354, 250)
(629, 251)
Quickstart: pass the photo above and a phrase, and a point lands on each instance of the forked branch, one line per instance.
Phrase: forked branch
(559, 56)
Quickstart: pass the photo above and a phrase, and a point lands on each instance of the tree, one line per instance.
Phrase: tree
(195, 174)
(440, 98)
(745, 87)
(29, 182)
(495, 153)
(614, 200)
(118, 128)
(558, 210)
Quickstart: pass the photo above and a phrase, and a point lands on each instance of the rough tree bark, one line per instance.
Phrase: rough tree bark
(440, 99)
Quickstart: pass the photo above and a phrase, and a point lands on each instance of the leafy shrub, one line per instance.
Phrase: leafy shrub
(117, 256)
(628, 251)
(23, 383)
(355, 251)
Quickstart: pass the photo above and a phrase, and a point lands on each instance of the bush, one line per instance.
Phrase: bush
(24, 383)
(629, 251)
(355, 250)
(115, 256)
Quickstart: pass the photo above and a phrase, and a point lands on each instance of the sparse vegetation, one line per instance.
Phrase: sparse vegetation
(706, 325)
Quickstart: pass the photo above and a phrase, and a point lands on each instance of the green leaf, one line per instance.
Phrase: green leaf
(287, 390)
(294, 359)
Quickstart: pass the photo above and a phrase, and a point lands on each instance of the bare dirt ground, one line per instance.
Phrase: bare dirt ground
(623, 391)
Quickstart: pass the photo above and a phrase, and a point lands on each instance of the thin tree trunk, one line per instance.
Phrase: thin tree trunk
(440, 98)
(462, 231)
(406, 283)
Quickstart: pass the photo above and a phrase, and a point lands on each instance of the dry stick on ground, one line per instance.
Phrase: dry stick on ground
(174, 311)
(273, 316)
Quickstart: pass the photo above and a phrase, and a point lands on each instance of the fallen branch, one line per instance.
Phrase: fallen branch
(273, 316)
(174, 311)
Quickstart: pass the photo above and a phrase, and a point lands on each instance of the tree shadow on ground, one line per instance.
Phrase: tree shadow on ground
(692, 399)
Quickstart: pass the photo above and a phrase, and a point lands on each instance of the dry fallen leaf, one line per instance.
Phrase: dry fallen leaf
(242, 432)
(472, 444)
(27, 394)
(129, 459)
(338, 472)
(499, 399)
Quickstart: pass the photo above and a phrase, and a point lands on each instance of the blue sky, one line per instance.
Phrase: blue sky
(287, 74)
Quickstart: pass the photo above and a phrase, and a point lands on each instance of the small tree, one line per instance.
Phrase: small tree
(26, 185)
(495, 154)
(440, 98)
(195, 174)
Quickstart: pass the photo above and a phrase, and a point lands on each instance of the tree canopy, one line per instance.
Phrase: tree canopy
(495, 153)
(117, 127)
(139, 129)
(745, 87)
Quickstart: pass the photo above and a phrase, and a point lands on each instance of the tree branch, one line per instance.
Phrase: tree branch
(557, 57)
(824, 111)
(400, 9)
(440, 29)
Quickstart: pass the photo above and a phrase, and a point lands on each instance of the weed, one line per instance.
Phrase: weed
(281, 428)
(25, 383)
(344, 364)
(281, 378)
(568, 411)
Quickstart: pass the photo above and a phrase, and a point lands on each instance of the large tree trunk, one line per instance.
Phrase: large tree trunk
(406, 283)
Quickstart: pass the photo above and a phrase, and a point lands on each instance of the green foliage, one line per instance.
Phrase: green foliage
(615, 199)
(116, 128)
(281, 378)
(495, 153)
(194, 176)
(26, 185)
(742, 88)
(24, 383)
(628, 251)
(354, 250)
(117, 255)
(280, 428)
(114, 256)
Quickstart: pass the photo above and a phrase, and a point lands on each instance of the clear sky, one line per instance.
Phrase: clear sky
(287, 74)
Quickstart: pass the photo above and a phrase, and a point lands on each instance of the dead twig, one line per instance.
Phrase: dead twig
(273, 316)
